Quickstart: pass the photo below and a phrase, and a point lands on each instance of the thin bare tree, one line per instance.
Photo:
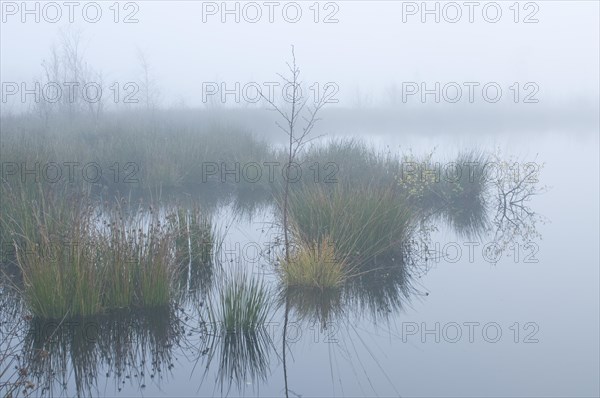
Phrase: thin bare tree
(149, 87)
(297, 122)
(79, 85)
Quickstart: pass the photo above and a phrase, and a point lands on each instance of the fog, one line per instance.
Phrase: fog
(364, 48)
(439, 237)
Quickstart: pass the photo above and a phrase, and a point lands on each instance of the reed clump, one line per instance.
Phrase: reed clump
(54, 248)
(315, 265)
(241, 305)
(78, 258)
(136, 252)
(362, 223)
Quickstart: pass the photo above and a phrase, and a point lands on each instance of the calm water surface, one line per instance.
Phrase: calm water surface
(461, 325)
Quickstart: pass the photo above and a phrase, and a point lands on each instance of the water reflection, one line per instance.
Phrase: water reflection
(503, 212)
(13, 326)
(134, 347)
(500, 210)
(468, 219)
(242, 359)
(380, 293)
(332, 318)
(375, 295)
(137, 348)
(313, 306)
(514, 219)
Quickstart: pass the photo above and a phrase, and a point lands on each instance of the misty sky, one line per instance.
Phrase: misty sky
(368, 50)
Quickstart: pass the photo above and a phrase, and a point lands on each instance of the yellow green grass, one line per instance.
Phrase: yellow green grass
(314, 265)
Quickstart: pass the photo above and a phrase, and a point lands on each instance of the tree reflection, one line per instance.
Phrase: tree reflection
(502, 213)
(515, 221)
(499, 208)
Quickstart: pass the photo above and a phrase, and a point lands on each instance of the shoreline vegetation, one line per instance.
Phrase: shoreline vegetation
(78, 259)
(111, 252)
(86, 220)
(117, 223)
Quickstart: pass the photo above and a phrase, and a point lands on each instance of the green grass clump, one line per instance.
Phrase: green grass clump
(348, 161)
(77, 258)
(363, 223)
(88, 270)
(25, 205)
(455, 190)
(57, 259)
(242, 303)
(315, 266)
(137, 258)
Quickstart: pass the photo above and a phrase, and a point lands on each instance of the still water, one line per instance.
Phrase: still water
(459, 324)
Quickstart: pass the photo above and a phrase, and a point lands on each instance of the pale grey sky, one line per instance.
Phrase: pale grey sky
(366, 51)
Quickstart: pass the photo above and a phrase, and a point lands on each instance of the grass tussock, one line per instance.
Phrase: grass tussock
(314, 265)
(78, 258)
(362, 224)
(350, 161)
(136, 254)
(54, 250)
(241, 305)
(81, 268)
